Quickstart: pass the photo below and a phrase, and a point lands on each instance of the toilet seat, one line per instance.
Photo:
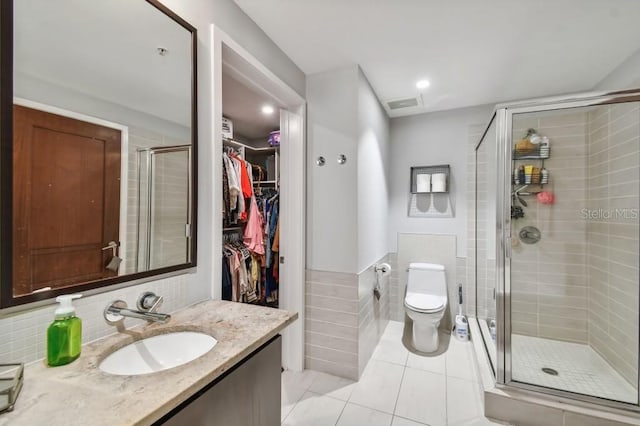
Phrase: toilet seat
(425, 303)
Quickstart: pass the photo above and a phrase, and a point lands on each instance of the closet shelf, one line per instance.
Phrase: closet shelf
(266, 149)
(265, 182)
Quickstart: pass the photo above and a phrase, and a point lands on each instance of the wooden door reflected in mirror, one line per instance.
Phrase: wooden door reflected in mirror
(66, 200)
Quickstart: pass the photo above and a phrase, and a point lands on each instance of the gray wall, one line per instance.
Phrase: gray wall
(226, 15)
(431, 139)
(346, 204)
(625, 76)
(332, 114)
(372, 175)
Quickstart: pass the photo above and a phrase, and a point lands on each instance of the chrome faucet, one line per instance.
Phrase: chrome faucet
(147, 305)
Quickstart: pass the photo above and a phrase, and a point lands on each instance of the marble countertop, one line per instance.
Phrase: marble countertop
(81, 394)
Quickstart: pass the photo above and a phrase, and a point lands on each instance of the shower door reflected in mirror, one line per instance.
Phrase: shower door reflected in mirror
(574, 286)
(162, 235)
(486, 182)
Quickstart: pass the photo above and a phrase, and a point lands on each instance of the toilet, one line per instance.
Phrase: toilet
(425, 303)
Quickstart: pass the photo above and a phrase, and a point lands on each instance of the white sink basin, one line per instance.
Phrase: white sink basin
(158, 353)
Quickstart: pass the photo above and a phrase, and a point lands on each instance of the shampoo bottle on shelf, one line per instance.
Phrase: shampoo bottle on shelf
(545, 148)
(64, 335)
(521, 176)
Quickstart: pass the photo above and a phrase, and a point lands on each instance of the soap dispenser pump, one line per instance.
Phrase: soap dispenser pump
(64, 335)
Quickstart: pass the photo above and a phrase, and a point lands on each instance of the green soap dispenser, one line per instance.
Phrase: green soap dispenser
(64, 335)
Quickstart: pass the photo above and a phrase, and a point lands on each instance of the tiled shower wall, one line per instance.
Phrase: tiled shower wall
(344, 321)
(548, 279)
(612, 235)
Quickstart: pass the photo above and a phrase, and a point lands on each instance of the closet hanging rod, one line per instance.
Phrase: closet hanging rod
(252, 148)
(232, 228)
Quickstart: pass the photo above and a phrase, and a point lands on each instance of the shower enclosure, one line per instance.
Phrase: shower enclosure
(163, 204)
(556, 246)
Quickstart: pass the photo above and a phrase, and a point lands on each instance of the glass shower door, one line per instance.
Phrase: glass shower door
(573, 278)
(170, 209)
(485, 250)
(163, 207)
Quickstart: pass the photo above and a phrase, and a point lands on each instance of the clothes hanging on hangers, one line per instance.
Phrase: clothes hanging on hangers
(249, 260)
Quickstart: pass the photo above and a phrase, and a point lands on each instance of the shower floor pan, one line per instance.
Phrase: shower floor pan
(580, 369)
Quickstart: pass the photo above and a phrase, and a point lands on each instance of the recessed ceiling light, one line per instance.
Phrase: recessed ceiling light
(267, 109)
(422, 84)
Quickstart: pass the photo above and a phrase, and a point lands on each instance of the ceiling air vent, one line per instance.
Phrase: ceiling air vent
(404, 103)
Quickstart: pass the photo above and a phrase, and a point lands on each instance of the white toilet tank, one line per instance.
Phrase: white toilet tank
(427, 278)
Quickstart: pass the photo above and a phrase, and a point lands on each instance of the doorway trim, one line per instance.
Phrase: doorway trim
(251, 71)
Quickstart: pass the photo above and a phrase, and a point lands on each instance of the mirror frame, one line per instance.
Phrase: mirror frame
(7, 298)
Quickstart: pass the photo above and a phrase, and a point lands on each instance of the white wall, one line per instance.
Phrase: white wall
(47, 93)
(625, 76)
(226, 15)
(347, 205)
(373, 176)
(332, 103)
(431, 139)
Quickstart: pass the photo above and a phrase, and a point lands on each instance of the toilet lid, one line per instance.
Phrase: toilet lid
(425, 302)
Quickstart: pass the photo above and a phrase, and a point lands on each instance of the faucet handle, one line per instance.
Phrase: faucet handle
(149, 302)
(112, 312)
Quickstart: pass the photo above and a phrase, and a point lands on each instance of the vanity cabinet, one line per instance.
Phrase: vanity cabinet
(246, 395)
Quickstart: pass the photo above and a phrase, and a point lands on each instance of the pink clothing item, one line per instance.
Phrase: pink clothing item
(253, 232)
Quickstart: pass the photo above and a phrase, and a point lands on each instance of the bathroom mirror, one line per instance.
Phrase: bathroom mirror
(98, 149)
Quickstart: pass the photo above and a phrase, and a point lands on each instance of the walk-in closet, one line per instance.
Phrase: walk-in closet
(251, 193)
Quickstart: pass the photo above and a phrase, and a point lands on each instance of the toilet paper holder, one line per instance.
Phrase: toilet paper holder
(429, 179)
(384, 268)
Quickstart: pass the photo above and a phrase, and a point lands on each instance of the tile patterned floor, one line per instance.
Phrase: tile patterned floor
(397, 388)
(580, 368)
